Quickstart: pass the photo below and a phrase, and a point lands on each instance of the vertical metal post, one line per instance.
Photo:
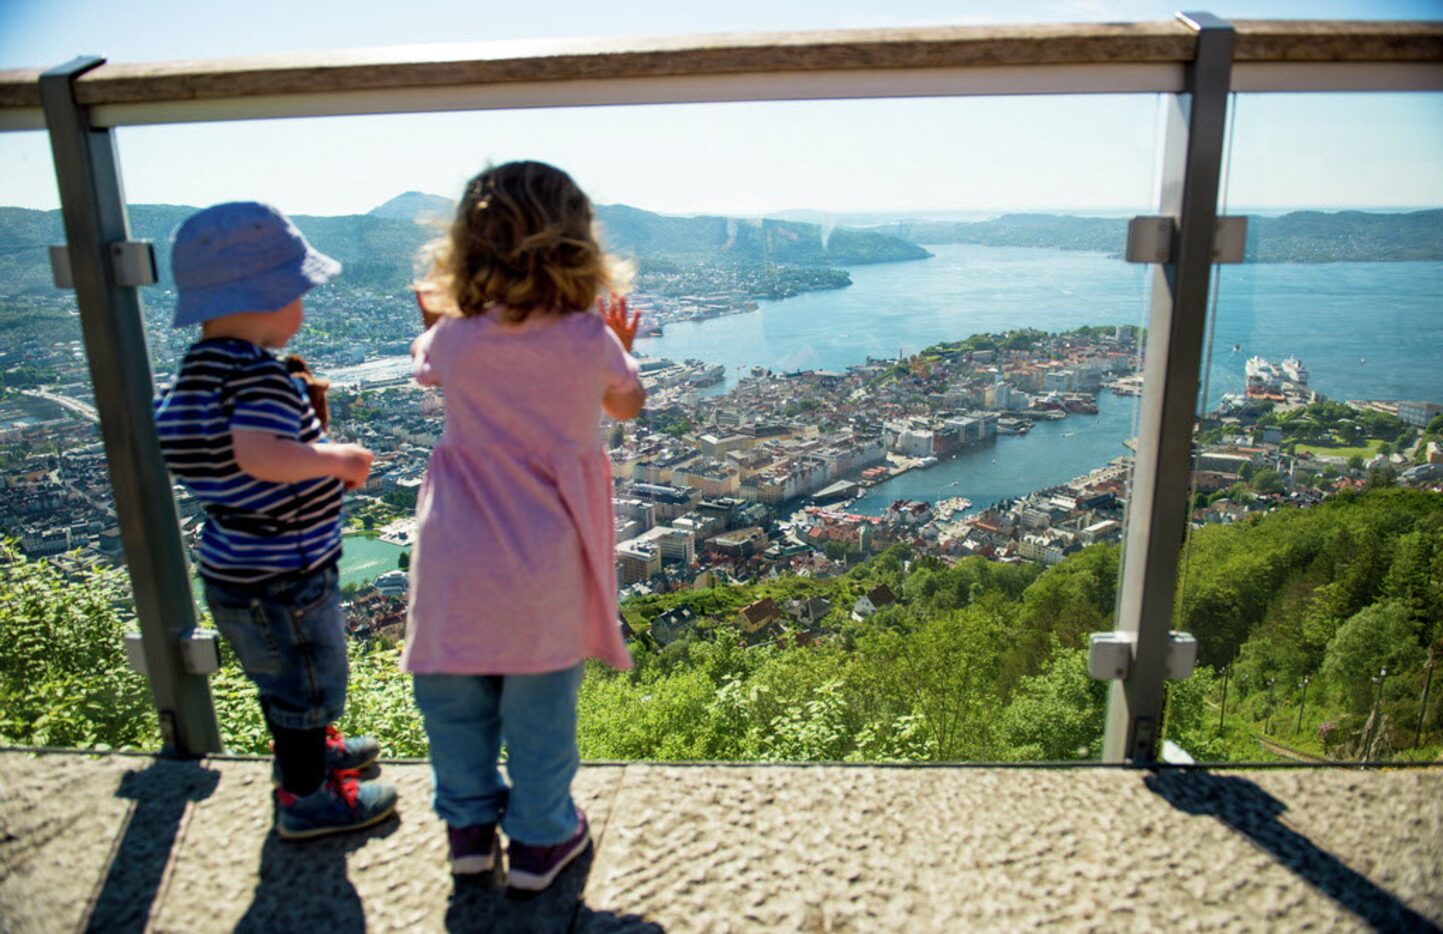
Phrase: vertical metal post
(1373, 716)
(93, 207)
(1302, 705)
(1423, 704)
(1157, 507)
(1223, 710)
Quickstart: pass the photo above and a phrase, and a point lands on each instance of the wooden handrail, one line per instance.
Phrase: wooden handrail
(422, 67)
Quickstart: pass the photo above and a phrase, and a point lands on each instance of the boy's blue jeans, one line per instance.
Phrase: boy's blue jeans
(290, 637)
(468, 716)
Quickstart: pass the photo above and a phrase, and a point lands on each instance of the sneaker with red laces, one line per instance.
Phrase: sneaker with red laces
(343, 754)
(533, 868)
(473, 849)
(349, 752)
(341, 803)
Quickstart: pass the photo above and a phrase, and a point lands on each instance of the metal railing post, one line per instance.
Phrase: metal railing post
(93, 208)
(1157, 507)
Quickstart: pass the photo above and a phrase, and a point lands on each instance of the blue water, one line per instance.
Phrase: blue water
(1364, 330)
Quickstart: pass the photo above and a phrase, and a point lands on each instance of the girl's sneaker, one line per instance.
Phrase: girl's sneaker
(473, 849)
(533, 868)
(341, 803)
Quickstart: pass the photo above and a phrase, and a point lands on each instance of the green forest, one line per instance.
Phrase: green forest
(978, 661)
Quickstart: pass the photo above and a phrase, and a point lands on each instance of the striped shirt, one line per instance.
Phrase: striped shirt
(255, 529)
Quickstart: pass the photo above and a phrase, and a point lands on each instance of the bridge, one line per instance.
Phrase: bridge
(83, 409)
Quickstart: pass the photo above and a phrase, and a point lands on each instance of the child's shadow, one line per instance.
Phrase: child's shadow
(481, 904)
(304, 886)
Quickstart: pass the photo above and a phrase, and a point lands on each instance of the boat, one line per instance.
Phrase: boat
(1294, 370)
(927, 462)
(1263, 381)
(708, 376)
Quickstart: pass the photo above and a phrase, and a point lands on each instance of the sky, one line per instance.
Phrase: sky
(962, 155)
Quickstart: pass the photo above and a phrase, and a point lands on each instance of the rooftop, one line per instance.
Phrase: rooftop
(120, 842)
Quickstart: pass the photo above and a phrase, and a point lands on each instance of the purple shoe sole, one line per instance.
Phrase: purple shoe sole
(533, 868)
(474, 850)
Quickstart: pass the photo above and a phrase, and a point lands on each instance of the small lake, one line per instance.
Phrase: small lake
(362, 561)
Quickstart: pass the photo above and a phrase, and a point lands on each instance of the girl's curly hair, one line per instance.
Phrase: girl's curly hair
(524, 238)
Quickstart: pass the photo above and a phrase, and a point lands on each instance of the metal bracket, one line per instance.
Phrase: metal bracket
(1181, 655)
(1110, 655)
(1230, 239)
(1149, 239)
(132, 263)
(199, 652)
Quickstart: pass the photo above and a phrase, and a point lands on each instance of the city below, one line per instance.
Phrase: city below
(808, 413)
(761, 479)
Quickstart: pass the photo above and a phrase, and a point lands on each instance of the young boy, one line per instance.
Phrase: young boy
(240, 433)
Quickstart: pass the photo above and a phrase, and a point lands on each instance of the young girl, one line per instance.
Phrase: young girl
(512, 576)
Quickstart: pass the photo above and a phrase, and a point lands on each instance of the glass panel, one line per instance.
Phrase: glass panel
(64, 680)
(872, 509)
(1312, 571)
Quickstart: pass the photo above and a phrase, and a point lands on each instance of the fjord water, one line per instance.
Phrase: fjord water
(1364, 330)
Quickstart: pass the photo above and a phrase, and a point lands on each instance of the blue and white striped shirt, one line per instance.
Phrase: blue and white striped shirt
(255, 529)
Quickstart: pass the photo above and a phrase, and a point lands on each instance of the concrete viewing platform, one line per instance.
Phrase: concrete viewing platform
(132, 843)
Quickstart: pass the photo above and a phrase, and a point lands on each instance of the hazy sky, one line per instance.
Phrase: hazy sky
(976, 154)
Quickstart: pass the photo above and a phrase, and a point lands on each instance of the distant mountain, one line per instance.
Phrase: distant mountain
(378, 248)
(1318, 237)
(415, 206)
(1063, 232)
(1299, 237)
(643, 233)
(375, 251)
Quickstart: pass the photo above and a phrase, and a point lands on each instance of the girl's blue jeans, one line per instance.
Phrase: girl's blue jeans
(467, 719)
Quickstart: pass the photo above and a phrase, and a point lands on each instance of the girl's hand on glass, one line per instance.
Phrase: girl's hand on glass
(616, 318)
(428, 299)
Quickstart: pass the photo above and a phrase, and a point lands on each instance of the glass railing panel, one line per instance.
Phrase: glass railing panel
(64, 679)
(1311, 571)
(874, 506)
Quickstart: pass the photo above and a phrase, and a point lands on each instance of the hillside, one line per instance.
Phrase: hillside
(1299, 237)
(975, 661)
(377, 249)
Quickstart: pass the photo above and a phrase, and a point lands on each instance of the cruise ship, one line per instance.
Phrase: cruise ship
(1294, 370)
(1263, 380)
(708, 375)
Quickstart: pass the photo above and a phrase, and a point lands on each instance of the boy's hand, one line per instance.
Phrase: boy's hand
(614, 314)
(352, 464)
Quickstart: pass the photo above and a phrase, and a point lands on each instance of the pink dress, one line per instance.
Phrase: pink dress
(513, 568)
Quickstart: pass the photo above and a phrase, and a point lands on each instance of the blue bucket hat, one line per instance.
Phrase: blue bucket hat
(242, 256)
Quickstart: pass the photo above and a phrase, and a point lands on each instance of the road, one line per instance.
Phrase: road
(84, 410)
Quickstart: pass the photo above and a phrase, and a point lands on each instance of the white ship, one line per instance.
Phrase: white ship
(1263, 378)
(1294, 370)
(708, 376)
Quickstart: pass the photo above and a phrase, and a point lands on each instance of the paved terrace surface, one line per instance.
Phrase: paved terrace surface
(127, 843)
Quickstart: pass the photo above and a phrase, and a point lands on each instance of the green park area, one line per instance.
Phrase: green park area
(1365, 450)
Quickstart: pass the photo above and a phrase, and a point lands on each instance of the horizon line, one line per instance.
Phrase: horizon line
(938, 214)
